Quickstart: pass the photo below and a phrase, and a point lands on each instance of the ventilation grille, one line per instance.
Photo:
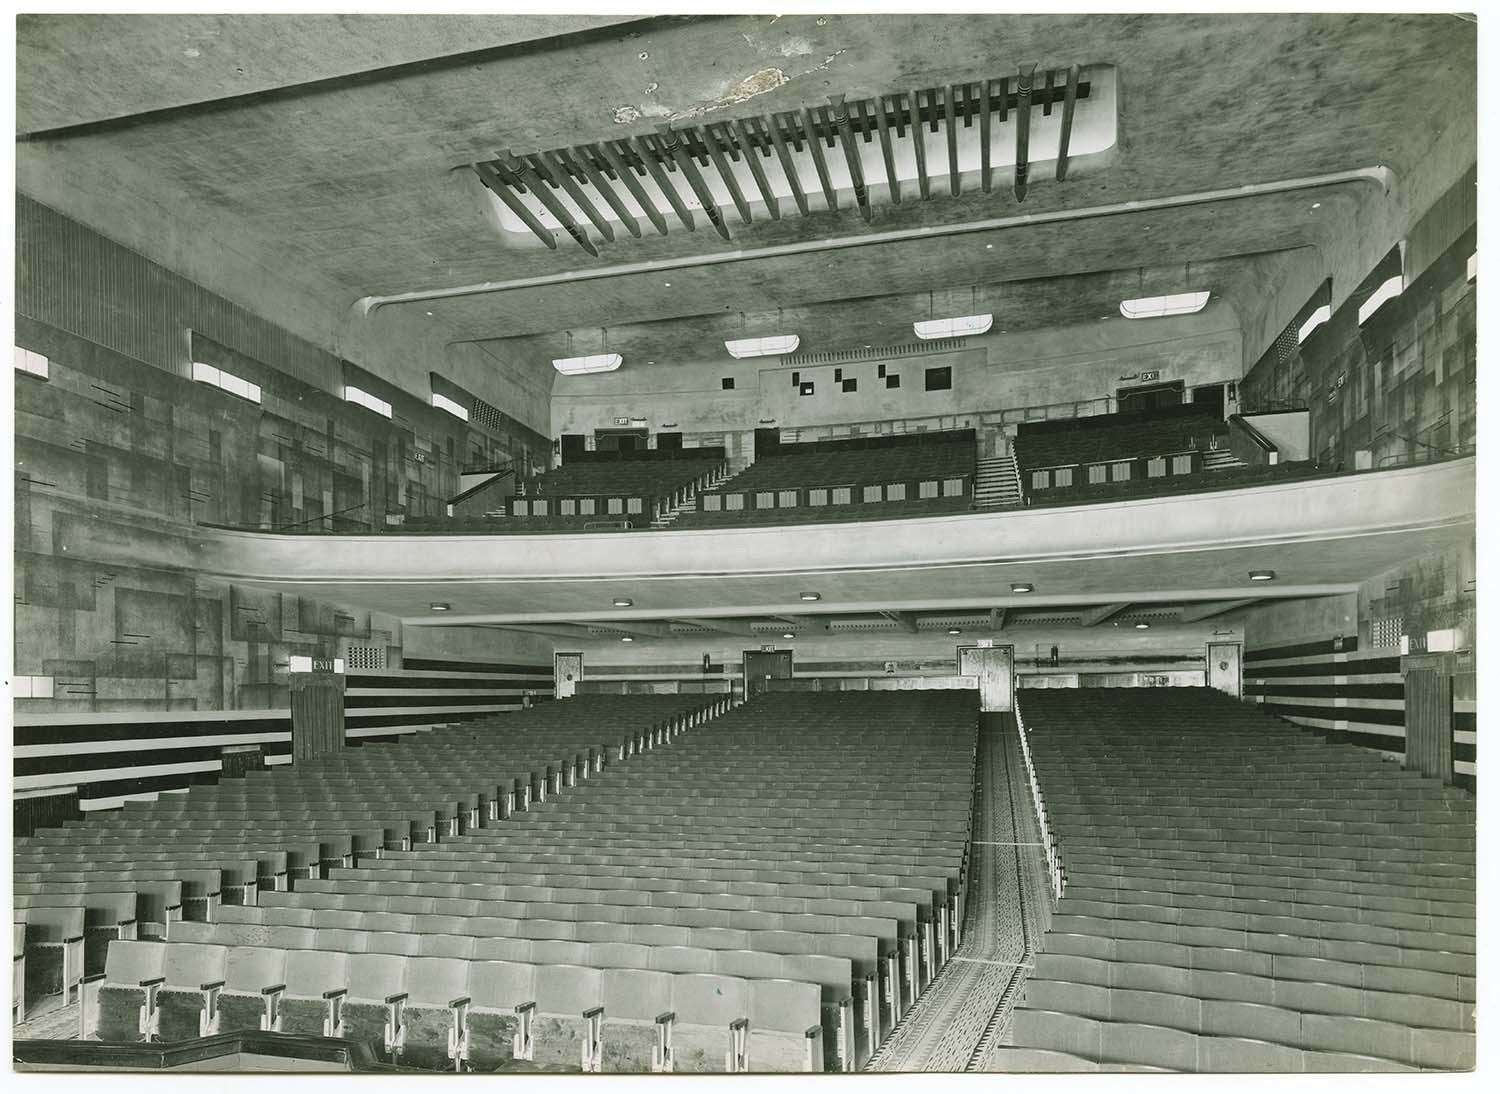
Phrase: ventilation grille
(365, 658)
(877, 353)
(1385, 634)
(486, 416)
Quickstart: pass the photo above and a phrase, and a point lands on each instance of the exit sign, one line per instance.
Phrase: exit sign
(1154, 374)
(316, 664)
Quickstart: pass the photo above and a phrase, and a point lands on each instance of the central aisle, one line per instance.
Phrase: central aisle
(960, 1017)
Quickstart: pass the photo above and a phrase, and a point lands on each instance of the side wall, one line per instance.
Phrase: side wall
(1334, 663)
(134, 672)
(1402, 387)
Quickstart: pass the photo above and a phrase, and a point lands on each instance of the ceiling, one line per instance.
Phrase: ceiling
(338, 149)
(956, 621)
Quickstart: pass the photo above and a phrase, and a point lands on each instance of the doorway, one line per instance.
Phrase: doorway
(995, 669)
(763, 665)
(1224, 667)
(621, 440)
(1211, 398)
(1143, 400)
(567, 670)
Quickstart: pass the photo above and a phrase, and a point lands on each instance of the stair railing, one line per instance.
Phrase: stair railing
(1039, 809)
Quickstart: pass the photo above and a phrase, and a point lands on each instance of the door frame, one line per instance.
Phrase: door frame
(1008, 702)
(745, 666)
(557, 680)
(1208, 667)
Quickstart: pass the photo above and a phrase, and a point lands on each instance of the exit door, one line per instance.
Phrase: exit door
(763, 665)
(567, 670)
(1224, 667)
(995, 669)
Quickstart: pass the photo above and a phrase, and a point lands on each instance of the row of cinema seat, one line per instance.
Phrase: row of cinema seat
(138, 872)
(826, 514)
(853, 479)
(1242, 896)
(650, 479)
(1104, 438)
(859, 462)
(770, 893)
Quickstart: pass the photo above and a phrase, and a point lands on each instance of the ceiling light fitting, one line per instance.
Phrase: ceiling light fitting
(585, 366)
(438, 607)
(810, 596)
(771, 346)
(1262, 575)
(1154, 307)
(957, 327)
(1021, 586)
(623, 602)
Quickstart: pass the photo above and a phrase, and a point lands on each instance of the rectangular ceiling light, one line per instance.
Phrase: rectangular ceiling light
(365, 399)
(772, 346)
(1154, 307)
(1389, 290)
(442, 402)
(1473, 267)
(953, 328)
(32, 362)
(584, 366)
(226, 381)
(1314, 321)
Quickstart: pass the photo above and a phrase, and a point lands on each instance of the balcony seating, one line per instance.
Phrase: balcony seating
(823, 481)
(623, 489)
(1103, 438)
(768, 893)
(1242, 896)
(1057, 459)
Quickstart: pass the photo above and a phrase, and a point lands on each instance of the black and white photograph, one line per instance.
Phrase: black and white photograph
(556, 543)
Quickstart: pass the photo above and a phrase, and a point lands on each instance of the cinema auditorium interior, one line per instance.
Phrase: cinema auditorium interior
(745, 543)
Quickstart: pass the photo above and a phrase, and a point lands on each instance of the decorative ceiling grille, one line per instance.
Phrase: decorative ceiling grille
(848, 154)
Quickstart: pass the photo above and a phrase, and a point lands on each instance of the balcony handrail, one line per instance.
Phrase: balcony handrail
(1055, 871)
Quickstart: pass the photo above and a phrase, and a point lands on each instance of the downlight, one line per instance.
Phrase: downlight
(771, 346)
(1154, 307)
(789, 634)
(626, 638)
(1143, 626)
(586, 366)
(1262, 575)
(438, 607)
(954, 630)
(1020, 586)
(810, 596)
(623, 602)
(956, 327)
